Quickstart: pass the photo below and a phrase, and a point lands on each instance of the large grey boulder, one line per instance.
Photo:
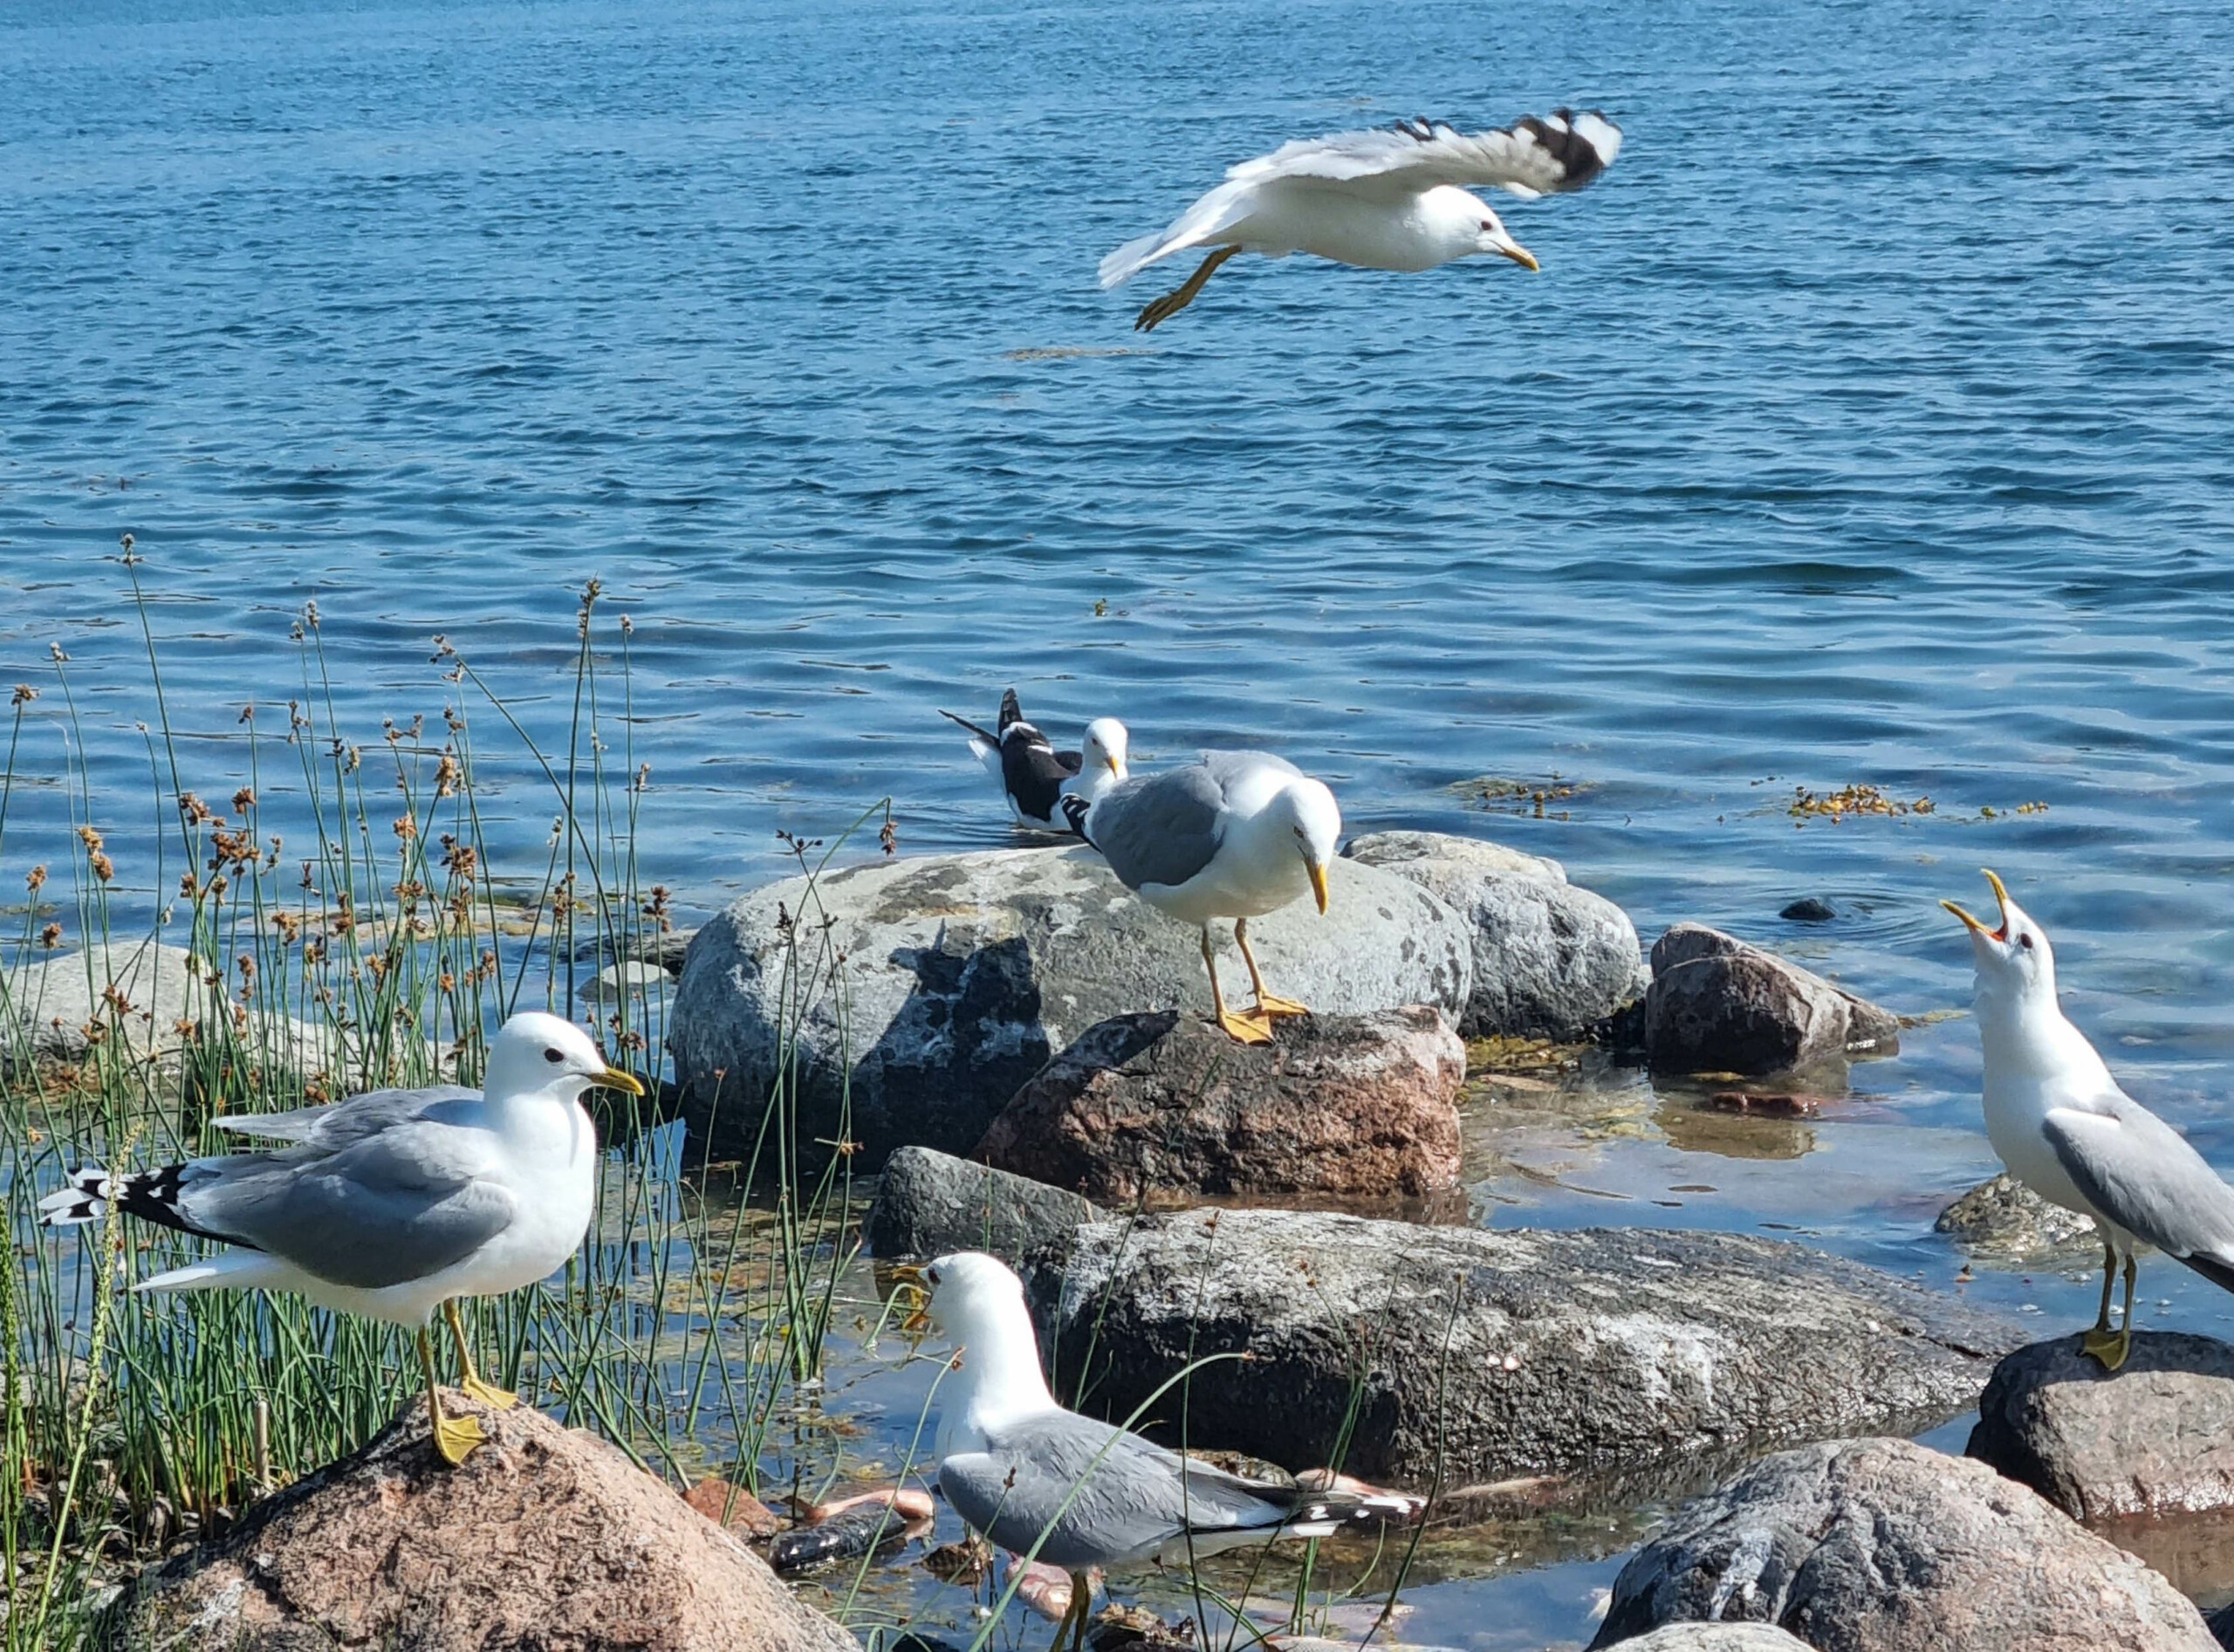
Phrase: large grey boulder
(962, 974)
(1884, 1545)
(2153, 1437)
(1165, 1108)
(929, 1202)
(1496, 1354)
(1716, 1004)
(1550, 960)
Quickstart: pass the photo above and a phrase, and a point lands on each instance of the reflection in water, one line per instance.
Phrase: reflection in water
(1695, 1129)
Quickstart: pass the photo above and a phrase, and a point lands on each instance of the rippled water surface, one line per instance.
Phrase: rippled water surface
(1867, 423)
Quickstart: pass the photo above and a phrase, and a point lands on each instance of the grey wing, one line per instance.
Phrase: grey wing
(2141, 1173)
(1132, 1496)
(1535, 155)
(400, 1204)
(1159, 828)
(351, 1119)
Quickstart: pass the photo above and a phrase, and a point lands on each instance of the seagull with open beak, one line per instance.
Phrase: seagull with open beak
(2066, 1130)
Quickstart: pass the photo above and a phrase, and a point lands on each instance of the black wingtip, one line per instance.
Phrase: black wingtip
(1075, 810)
(1011, 711)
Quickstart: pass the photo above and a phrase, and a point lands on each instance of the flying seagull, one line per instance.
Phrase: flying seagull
(1023, 1470)
(1234, 834)
(2067, 1131)
(392, 1203)
(1398, 198)
(1033, 776)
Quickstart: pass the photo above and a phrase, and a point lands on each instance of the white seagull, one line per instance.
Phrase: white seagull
(1234, 834)
(1033, 776)
(2067, 1131)
(1024, 1471)
(1397, 197)
(392, 1203)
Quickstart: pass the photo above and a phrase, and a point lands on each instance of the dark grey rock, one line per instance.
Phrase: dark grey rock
(2221, 1623)
(1884, 1545)
(666, 949)
(1498, 1353)
(1165, 1108)
(929, 1202)
(1550, 960)
(1811, 909)
(964, 973)
(2003, 1219)
(2153, 1437)
(1719, 1005)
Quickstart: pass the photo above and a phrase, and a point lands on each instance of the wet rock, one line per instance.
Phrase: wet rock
(1810, 910)
(1498, 1352)
(1884, 1545)
(2155, 1438)
(929, 1203)
(1715, 1637)
(1718, 1005)
(1161, 1106)
(2002, 1218)
(2221, 1625)
(663, 950)
(153, 1003)
(617, 982)
(875, 1522)
(547, 1536)
(964, 973)
(1550, 960)
(731, 1505)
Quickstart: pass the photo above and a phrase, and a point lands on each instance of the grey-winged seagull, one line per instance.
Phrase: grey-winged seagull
(392, 1203)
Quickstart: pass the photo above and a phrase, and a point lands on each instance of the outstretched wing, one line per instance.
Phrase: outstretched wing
(1536, 155)
(2141, 1174)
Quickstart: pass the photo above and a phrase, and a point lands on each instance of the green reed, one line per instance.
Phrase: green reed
(345, 925)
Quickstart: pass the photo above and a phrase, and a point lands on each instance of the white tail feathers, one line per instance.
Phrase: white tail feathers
(84, 1196)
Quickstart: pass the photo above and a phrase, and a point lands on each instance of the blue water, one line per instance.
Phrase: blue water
(1868, 422)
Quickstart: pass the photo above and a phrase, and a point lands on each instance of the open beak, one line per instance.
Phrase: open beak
(1519, 255)
(1318, 881)
(1977, 925)
(614, 1078)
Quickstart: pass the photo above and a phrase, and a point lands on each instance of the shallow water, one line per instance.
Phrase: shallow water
(1864, 425)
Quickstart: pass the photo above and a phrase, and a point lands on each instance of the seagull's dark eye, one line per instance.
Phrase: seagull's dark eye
(932, 1274)
(553, 1057)
(2025, 940)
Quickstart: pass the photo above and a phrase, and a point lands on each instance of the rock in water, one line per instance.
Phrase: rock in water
(1163, 1105)
(2154, 1437)
(1884, 1545)
(1718, 1005)
(2003, 1218)
(1810, 908)
(964, 973)
(929, 1202)
(1497, 1353)
(1550, 960)
(546, 1538)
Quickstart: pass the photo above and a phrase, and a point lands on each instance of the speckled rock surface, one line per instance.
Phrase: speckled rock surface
(929, 1202)
(2004, 1220)
(1718, 1005)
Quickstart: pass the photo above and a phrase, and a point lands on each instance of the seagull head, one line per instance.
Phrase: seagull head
(535, 1053)
(1106, 748)
(977, 1301)
(1308, 809)
(2014, 960)
(1491, 237)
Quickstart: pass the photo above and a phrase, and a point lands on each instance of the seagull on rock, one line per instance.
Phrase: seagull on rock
(2066, 1130)
(1398, 198)
(1033, 776)
(392, 1203)
(1234, 834)
(1026, 1473)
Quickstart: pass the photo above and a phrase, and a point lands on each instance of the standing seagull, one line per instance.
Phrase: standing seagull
(1234, 834)
(1024, 1471)
(1035, 777)
(394, 1203)
(2067, 1131)
(1387, 199)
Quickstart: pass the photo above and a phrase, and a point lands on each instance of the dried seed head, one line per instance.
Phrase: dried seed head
(35, 879)
(51, 936)
(25, 694)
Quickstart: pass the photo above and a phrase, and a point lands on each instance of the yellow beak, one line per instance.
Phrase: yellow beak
(1521, 255)
(1318, 881)
(614, 1078)
(1114, 768)
(1977, 925)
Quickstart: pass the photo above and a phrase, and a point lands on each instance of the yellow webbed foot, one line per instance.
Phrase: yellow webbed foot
(2111, 1347)
(1269, 1006)
(1251, 1028)
(457, 1438)
(490, 1395)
